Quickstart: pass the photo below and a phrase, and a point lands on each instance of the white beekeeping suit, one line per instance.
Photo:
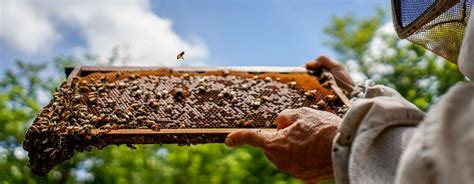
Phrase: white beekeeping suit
(386, 139)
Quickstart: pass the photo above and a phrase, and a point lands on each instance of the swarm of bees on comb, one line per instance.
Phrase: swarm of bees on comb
(83, 112)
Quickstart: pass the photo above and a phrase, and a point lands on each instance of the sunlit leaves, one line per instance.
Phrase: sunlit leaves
(417, 74)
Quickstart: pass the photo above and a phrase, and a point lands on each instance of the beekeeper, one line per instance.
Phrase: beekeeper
(383, 138)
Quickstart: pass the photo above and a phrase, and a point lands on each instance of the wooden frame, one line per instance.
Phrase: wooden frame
(148, 136)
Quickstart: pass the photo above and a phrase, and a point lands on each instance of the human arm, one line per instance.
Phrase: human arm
(301, 146)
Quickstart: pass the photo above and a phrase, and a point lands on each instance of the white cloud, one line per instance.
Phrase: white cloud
(129, 26)
(25, 28)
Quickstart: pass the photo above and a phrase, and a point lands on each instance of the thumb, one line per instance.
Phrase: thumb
(286, 118)
(255, 138)
(323, 62)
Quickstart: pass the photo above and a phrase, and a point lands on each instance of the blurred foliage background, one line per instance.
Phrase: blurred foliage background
(365, 45)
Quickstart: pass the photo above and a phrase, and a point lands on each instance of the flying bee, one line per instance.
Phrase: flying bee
(180, 55)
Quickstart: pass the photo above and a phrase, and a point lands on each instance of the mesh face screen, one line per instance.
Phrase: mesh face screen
(411, 9)
(444, 34)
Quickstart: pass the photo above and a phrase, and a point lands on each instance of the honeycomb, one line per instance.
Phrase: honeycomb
(89, 111)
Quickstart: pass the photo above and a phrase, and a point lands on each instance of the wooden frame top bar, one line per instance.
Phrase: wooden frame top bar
(84, 70)
(120, 136)
(224, 131)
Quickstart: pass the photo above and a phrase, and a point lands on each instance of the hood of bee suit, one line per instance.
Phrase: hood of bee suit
(466, 56)
(437, 25)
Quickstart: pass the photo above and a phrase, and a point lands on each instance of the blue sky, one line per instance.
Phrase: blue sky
(212, 32)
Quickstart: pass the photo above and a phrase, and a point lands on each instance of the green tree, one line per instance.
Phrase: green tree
(371, 50)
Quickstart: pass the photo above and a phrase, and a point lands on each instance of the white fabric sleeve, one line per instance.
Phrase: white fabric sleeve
(442, 147)
(373, 135)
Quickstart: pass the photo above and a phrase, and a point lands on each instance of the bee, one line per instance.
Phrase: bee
(158, 95)
(114, 127)
(138, 92)
(83, 83)
(141, 118)
(321, 104)
(149, 122)
(93, 100)
(224, 125)
(234, 100)
(33, 129)
(132, 77)
(131, 146)
(169, 108)
(226, 72)
(156, 127)
(48, 150)
(154, 104)
(110, 85)
(178, 93)
(330, 98)
(203, 79)
(256, 102)
(171, 124)
(326, 84)
(122, 85)
(267, 79)
(201, 89)
(106, 127)
(224, 93)
(292, 84)
(77, 97)
(268, 124)
(180, 55)
(311, 93)
(103, 79)
(109, 101)
(186, 75)
(248, 123)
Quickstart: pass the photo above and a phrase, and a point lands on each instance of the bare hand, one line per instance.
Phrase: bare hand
(336, 69)
(301, 145)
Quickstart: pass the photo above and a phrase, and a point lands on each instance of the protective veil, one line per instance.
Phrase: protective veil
(466, 59)
(437, 25)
